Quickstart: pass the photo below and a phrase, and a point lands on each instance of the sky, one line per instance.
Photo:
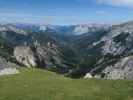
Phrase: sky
(65, 12)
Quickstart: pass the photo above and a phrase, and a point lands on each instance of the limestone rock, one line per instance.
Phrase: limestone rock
(9, 71)
(88, 75)
(121, 70)
(47, 56)
(25, 56)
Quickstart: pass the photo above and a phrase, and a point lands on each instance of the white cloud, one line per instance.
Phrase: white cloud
(126, 3)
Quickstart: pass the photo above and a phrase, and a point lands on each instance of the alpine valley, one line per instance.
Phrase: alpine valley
(76, 51)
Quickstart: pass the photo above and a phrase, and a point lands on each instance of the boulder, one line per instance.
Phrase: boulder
(9, 71)
(88, 76)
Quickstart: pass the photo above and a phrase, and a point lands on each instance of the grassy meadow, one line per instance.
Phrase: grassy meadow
(36, 84)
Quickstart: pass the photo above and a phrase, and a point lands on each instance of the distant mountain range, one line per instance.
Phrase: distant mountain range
(65, 30)
(103, 51)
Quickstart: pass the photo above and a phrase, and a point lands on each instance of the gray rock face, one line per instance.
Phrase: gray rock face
(47, 56)
(121, 70)
(119, 42)
(116, 60)
(50, 56)
(7, 68)
(89, 28)
(119, 39)
(25, 56)
(5, 64)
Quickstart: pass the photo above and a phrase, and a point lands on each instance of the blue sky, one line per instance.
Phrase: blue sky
(66, 11)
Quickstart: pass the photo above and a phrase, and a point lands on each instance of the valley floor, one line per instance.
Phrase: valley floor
(35, 84)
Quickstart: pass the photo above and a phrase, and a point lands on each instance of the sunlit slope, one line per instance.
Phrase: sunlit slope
(34, 84)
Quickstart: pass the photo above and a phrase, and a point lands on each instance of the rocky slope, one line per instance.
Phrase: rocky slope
(100, 51)
(115, 50)
(33, 48)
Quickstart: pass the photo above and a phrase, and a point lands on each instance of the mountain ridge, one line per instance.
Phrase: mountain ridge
(94, 49)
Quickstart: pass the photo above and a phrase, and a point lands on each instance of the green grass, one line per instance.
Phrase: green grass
(35, 84)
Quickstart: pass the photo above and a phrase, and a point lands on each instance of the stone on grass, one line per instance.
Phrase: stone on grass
(9, 71)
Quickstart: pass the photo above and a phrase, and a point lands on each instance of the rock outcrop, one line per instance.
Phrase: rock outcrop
(25, 56)
(119, 39)
(115, 49)
(88, 75)
(9, 71)
(48, 57)
(121, 70)
(7, 68)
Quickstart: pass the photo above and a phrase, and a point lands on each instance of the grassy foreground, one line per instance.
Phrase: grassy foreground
(34, 84)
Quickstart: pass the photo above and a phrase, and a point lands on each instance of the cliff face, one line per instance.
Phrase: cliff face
(48, 57)
(25, 56)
